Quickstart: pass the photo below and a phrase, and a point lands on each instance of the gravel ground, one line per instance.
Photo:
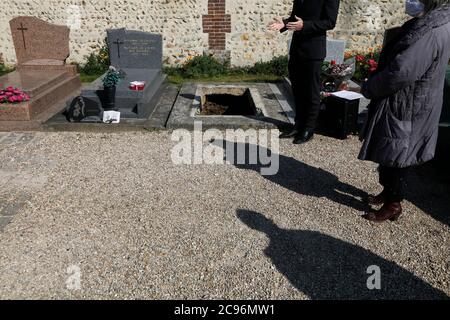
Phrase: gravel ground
(135, 225)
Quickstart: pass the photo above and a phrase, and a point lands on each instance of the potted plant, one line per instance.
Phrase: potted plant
(110, 81)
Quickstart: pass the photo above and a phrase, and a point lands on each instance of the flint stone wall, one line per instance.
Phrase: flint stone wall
(361, 23)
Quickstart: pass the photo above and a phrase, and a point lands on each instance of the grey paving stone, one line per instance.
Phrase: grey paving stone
(159, 118)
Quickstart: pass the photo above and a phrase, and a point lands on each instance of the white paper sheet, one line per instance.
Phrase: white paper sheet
(349, 95)
(111, 117)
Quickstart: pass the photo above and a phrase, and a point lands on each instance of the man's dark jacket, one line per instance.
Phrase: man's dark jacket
(319, 16)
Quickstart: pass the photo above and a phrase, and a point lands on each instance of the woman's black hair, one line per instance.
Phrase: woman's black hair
(434, 4)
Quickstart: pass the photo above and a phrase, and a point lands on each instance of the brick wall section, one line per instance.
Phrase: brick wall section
(217, 24)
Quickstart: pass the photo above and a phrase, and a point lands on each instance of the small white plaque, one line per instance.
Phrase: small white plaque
(111, 117)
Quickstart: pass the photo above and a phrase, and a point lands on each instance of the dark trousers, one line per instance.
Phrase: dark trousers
(394, 182)
(306, 85)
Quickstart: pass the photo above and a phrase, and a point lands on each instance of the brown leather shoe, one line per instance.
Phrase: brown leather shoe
(391, 211)
(376, 200)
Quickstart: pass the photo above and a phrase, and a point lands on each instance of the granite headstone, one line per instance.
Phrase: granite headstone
(135, 49)
(39, 42)
(335, 50)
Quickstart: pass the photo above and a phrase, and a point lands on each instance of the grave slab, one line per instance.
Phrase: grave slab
(163, 100)
(131, 104)
(45, 90)
(139, 55)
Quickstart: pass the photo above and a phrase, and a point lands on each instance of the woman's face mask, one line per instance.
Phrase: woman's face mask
(414, 8)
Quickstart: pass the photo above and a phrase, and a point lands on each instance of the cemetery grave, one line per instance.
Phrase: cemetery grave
(138, 56)
(228, 101)
(42, 74)
(222, 106)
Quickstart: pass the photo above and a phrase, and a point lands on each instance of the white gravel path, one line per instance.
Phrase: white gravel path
(138, 226)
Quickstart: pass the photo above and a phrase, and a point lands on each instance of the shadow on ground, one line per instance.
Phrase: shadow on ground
(428, 189)
(298, 177)
(428, 186)
(324, 267)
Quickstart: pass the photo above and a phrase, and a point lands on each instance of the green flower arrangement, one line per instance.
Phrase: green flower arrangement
(112, 78)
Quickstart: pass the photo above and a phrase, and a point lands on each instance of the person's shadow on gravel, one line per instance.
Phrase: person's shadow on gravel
(300, 177)
(324, 267)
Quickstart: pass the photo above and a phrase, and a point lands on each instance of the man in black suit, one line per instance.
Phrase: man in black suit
(310, 20)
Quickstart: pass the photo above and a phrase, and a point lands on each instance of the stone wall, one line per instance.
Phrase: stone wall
(183, 24)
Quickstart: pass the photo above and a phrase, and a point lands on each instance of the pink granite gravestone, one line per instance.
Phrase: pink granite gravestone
(40, 45)
(41, 72)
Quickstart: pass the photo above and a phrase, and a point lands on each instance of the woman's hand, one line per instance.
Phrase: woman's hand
(295, 26)
(344, 86)
(277, 25)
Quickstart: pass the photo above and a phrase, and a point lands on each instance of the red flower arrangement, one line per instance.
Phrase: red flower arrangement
(366, 62)
(373, 65)
(13, 95)
(360, 58)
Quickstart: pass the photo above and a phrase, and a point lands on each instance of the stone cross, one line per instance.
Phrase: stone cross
(23, 35)
(217, 24)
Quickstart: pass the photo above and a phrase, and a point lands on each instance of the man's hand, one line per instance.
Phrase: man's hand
(277, 25)
(295, 26)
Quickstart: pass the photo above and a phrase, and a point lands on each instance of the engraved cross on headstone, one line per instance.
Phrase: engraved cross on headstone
(23, 35)
(118, 43)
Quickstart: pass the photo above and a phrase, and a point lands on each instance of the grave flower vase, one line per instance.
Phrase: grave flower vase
(110, 98)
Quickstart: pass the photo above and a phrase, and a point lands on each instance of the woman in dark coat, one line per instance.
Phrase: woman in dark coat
(407, 98)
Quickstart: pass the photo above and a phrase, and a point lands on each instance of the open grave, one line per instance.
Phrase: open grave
(253, 105)
(228, 101)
